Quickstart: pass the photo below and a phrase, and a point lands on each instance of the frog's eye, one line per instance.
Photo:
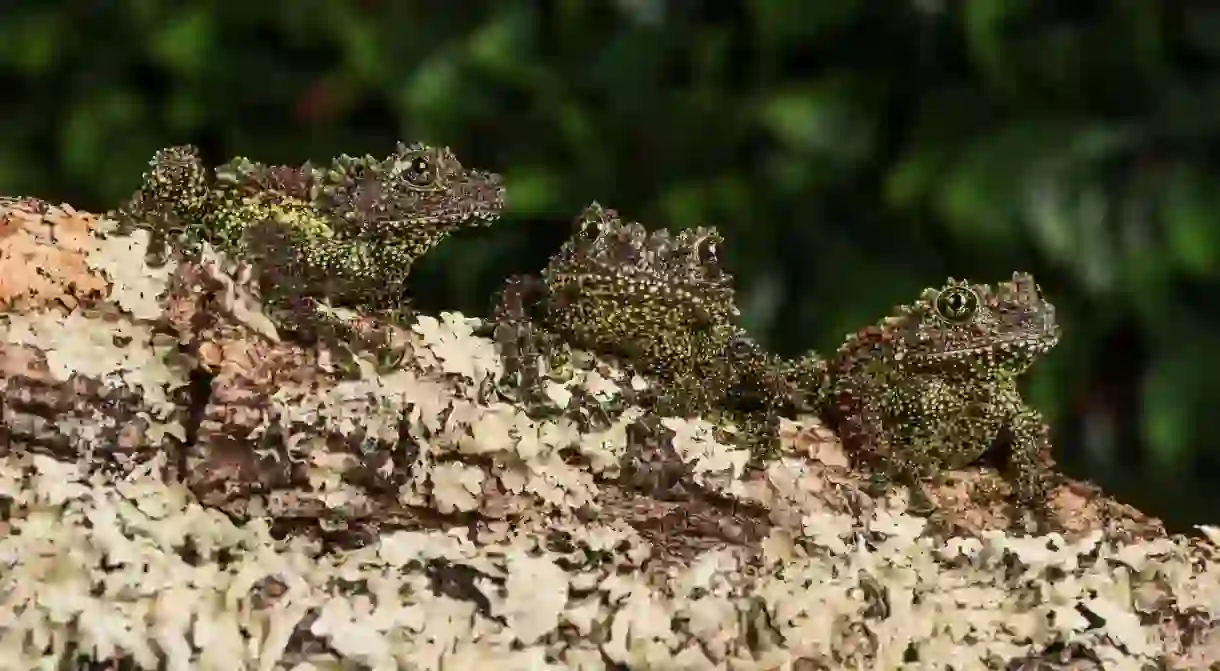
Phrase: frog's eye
(742, 348)
(420, 171)
(957, 304)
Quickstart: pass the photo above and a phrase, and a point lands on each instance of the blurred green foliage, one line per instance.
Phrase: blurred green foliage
(852, 152)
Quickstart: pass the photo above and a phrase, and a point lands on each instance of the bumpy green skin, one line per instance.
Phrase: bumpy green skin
(934, 386)
(663, 304)
(931, 388)
(346, 234)
(656, 300)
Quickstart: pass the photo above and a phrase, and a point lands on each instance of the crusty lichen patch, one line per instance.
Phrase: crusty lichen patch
(106, 568)
(476, 532)
(85, 370)
(57, 255)
(115, 351)
(43, 251)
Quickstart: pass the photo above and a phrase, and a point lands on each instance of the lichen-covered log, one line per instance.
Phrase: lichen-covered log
(463, 529)
(86, 368)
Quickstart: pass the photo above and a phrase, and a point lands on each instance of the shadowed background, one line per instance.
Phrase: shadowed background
(852, 152)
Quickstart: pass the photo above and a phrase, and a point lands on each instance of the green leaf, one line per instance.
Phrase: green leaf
(433, 88)
(1031, 169)
(183, 44)
(20, 173)
(1191, 213)
(827, 121)
(31, 42)
(1170, 403)
(782, 23)
(1071, 223)
(503, 45)
(984, 23)
(185, 110)
(364, 54)
(534, 190)
(916, 176)
(685, 204)
(100, 133)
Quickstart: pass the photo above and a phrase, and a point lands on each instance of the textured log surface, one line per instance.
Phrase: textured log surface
(178, 486)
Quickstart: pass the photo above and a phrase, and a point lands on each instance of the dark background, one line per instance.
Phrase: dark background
(852, 151)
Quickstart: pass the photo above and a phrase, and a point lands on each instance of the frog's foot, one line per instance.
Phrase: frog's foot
(1032, 513)
(514, 327)
(348, 333)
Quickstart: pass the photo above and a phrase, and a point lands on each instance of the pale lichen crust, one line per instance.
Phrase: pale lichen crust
(85, 371)
(460, 530)
(934, 386)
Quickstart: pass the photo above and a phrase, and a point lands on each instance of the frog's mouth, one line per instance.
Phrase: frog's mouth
(1022, 347)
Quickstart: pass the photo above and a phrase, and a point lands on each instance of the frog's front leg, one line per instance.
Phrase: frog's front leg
(320, 288)
(875, 429)
(682, 392)
(943, 426)
(1001, 420)
(309, 321)
(1029, 464)
(919, 458)
(514, 325)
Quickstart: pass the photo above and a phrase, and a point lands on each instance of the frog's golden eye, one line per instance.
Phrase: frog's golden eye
(420, 171)
(741, 348)
(957, 304)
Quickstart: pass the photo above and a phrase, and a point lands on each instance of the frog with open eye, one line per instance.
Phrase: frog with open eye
(661, 303)
(934, 386)
(343, 235)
